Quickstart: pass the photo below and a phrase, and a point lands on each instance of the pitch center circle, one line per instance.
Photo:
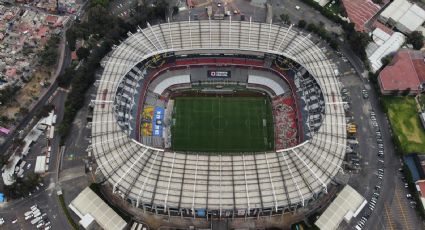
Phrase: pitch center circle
(218, 123)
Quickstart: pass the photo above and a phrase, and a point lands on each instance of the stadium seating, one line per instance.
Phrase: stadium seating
(231, 185)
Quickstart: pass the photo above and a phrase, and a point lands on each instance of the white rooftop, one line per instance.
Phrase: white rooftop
(406, 16)
(392, 44)
(88, 202)
(347, 204)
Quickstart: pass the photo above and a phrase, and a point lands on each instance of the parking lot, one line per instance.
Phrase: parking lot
(123, 8)
(400, 211)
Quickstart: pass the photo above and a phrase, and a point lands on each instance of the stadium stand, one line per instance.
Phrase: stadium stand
(173, 183)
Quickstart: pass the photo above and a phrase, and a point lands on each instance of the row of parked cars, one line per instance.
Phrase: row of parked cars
(37, 218)
(380, 173)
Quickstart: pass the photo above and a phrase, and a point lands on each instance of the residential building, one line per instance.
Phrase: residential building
(405, 74)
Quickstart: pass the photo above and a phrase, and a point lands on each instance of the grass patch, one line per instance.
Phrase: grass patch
(222, 124)
(67, 214)
(405, 122)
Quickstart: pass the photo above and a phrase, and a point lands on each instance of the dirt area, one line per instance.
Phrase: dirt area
(27, 95)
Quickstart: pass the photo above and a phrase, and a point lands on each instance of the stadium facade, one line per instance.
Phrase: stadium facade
(157, 60)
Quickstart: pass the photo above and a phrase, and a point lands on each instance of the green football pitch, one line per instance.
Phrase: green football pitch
(222, 124)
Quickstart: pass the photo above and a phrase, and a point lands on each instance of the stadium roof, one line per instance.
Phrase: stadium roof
(347, 204)
(158, 177)
(406, 71)
(88, 202)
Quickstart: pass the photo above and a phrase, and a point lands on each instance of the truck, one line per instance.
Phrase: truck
(28, 213)
(352, 141)
(37, 214)
(35, 220)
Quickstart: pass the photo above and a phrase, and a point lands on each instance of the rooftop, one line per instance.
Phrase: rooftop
(88, 202)
(405, 72)
(360, 12)
(347, 204)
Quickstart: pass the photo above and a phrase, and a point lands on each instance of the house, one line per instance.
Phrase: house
(405, 16)
(51, 19)
(383, 44)
(406, 73)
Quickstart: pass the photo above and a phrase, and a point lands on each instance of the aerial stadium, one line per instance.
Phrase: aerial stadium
(221, 118)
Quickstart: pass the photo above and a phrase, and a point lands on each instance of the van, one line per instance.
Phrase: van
(28, 213)
(34, 221)
(37, 214)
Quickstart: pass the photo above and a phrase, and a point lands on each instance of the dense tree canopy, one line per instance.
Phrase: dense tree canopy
(416, 39)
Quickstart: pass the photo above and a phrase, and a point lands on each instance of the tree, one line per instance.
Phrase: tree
(103, 3)
(387, 59)
(82, 53)
(358, 42)
(302, 23)
(285, 18)
(49, 54)
(66, 77)
(175, 10)
(416, 39)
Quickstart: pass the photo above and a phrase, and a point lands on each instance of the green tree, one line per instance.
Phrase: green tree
(416, 39)
(285, 18)
(82, 53)
(175, 10)
(387, 59)
(103, 3)
(302, 23)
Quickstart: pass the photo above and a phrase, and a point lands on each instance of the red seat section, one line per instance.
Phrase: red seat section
(285, 118)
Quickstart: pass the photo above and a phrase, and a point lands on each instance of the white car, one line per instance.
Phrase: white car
(1, 221)
(28, 165)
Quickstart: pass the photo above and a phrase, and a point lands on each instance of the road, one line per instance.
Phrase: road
(392, 210)
(46, 198)
(64, 61)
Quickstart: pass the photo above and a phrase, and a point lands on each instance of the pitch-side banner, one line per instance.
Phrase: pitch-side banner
(218, 74)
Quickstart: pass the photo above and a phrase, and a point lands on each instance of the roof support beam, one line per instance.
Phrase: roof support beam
(190, 34)
(271, 182)
(246, 182)
(194, 187)
(293, 179)
(270, 31)
(146, 179)
(128, 170)
(154, 34)
(284, 37)
(171, 34)
(249, 31)
(230, 30)
(149, 39)
(169, 181)
(311, 171)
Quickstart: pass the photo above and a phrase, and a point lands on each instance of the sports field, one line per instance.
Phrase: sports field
(406, 124)
(222, 124)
